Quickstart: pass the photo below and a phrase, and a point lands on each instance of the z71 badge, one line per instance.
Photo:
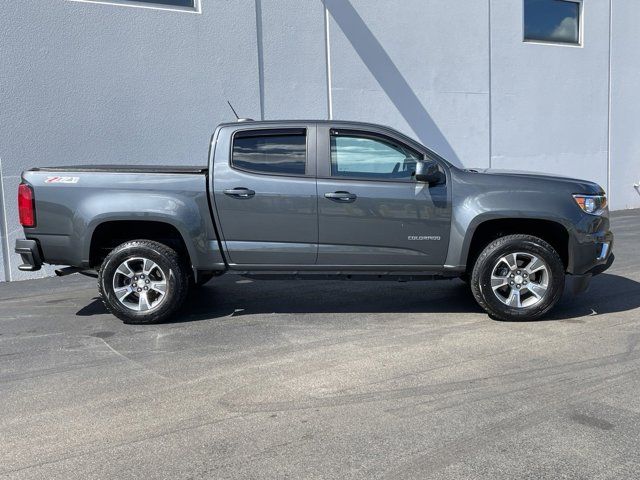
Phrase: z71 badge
(62, 180)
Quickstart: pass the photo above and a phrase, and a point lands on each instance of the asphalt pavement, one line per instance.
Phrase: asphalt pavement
(308, 379)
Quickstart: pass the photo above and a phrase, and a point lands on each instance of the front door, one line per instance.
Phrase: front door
(265, 196)
(371, 211)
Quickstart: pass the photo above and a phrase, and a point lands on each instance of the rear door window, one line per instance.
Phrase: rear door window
(271, 151)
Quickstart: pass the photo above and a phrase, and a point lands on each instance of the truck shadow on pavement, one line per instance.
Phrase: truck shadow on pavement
(608, 293)
(222, 298)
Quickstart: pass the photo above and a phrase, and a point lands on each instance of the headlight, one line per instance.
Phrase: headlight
(592, 204)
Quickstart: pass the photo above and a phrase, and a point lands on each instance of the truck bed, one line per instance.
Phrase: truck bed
(125, 169)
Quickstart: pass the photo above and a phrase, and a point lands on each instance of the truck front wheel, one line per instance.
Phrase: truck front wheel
(518, 277)
(142, 282)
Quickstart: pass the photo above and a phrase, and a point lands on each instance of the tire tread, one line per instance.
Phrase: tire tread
(531, 313)
(180, 289)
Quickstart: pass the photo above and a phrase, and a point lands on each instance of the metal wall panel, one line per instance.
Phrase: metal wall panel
(625, 105)
(98, 83)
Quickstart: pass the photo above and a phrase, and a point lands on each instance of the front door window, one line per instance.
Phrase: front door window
(370, 157)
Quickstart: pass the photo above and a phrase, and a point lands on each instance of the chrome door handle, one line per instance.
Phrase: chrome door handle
(239, 192)
(345, 197)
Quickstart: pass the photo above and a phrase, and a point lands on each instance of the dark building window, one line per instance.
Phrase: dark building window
(280, 152)
(173, 3)
(177, 5)
(555, 21)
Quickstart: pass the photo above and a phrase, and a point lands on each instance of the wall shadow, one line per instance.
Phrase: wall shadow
(384, 70)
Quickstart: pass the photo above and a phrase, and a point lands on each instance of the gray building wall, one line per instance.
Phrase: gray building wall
(407, 65)
(98, 83)
(625, 104)
(550, 102)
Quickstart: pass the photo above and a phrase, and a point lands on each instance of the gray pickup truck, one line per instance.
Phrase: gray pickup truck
(314, 199)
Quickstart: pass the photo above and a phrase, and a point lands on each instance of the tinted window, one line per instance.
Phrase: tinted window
(552, 21)
(271, 151)
(176, 3)
(366, 156)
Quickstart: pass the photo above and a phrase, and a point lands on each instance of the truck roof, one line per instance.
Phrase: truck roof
(303, 121)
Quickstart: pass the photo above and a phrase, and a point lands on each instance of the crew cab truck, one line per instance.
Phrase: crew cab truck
(314, 199)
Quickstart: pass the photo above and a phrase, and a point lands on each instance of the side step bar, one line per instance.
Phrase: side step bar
(63, 272)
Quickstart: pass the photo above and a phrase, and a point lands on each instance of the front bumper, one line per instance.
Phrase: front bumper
(598, 269)
(588, 259)
(592, 255)
(30, 253)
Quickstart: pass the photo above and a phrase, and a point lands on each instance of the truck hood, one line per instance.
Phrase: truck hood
(581, 186)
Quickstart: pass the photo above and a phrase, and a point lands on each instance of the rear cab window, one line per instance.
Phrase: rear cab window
(281, 151)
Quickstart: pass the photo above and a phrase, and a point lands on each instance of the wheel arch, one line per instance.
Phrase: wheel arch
(110, 233)
(485, 231)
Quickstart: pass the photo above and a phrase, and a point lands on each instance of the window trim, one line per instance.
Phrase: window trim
(373, 136)
(580, 43)
(283, 131)
(197, 5)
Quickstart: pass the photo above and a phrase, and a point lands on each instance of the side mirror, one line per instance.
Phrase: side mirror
(428, 172)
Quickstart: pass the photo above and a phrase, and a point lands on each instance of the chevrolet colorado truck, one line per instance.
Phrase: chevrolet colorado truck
(315, 200)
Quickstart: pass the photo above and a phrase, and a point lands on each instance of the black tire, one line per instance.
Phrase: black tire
(171, 272)
(489, 259)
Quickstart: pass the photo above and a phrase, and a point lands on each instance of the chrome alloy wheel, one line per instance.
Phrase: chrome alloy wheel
(520, 279)
(140, 284)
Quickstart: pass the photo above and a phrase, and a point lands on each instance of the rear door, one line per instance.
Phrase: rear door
(265, 194)
(371, 211)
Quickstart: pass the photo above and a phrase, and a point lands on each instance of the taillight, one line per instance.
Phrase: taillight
(26, 206)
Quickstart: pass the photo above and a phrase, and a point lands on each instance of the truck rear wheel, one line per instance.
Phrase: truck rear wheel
(518, 277)
(142, 282)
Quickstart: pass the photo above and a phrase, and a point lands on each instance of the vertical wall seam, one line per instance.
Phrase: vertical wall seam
(327, 53)
(609, 103)
(259, 45)
(490, 91)
(4, 229)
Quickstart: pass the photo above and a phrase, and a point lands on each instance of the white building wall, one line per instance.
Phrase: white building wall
(295, 75)
(550, 102)
(94, 83)
(625, 104)
(407, 64)
(3, 226)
